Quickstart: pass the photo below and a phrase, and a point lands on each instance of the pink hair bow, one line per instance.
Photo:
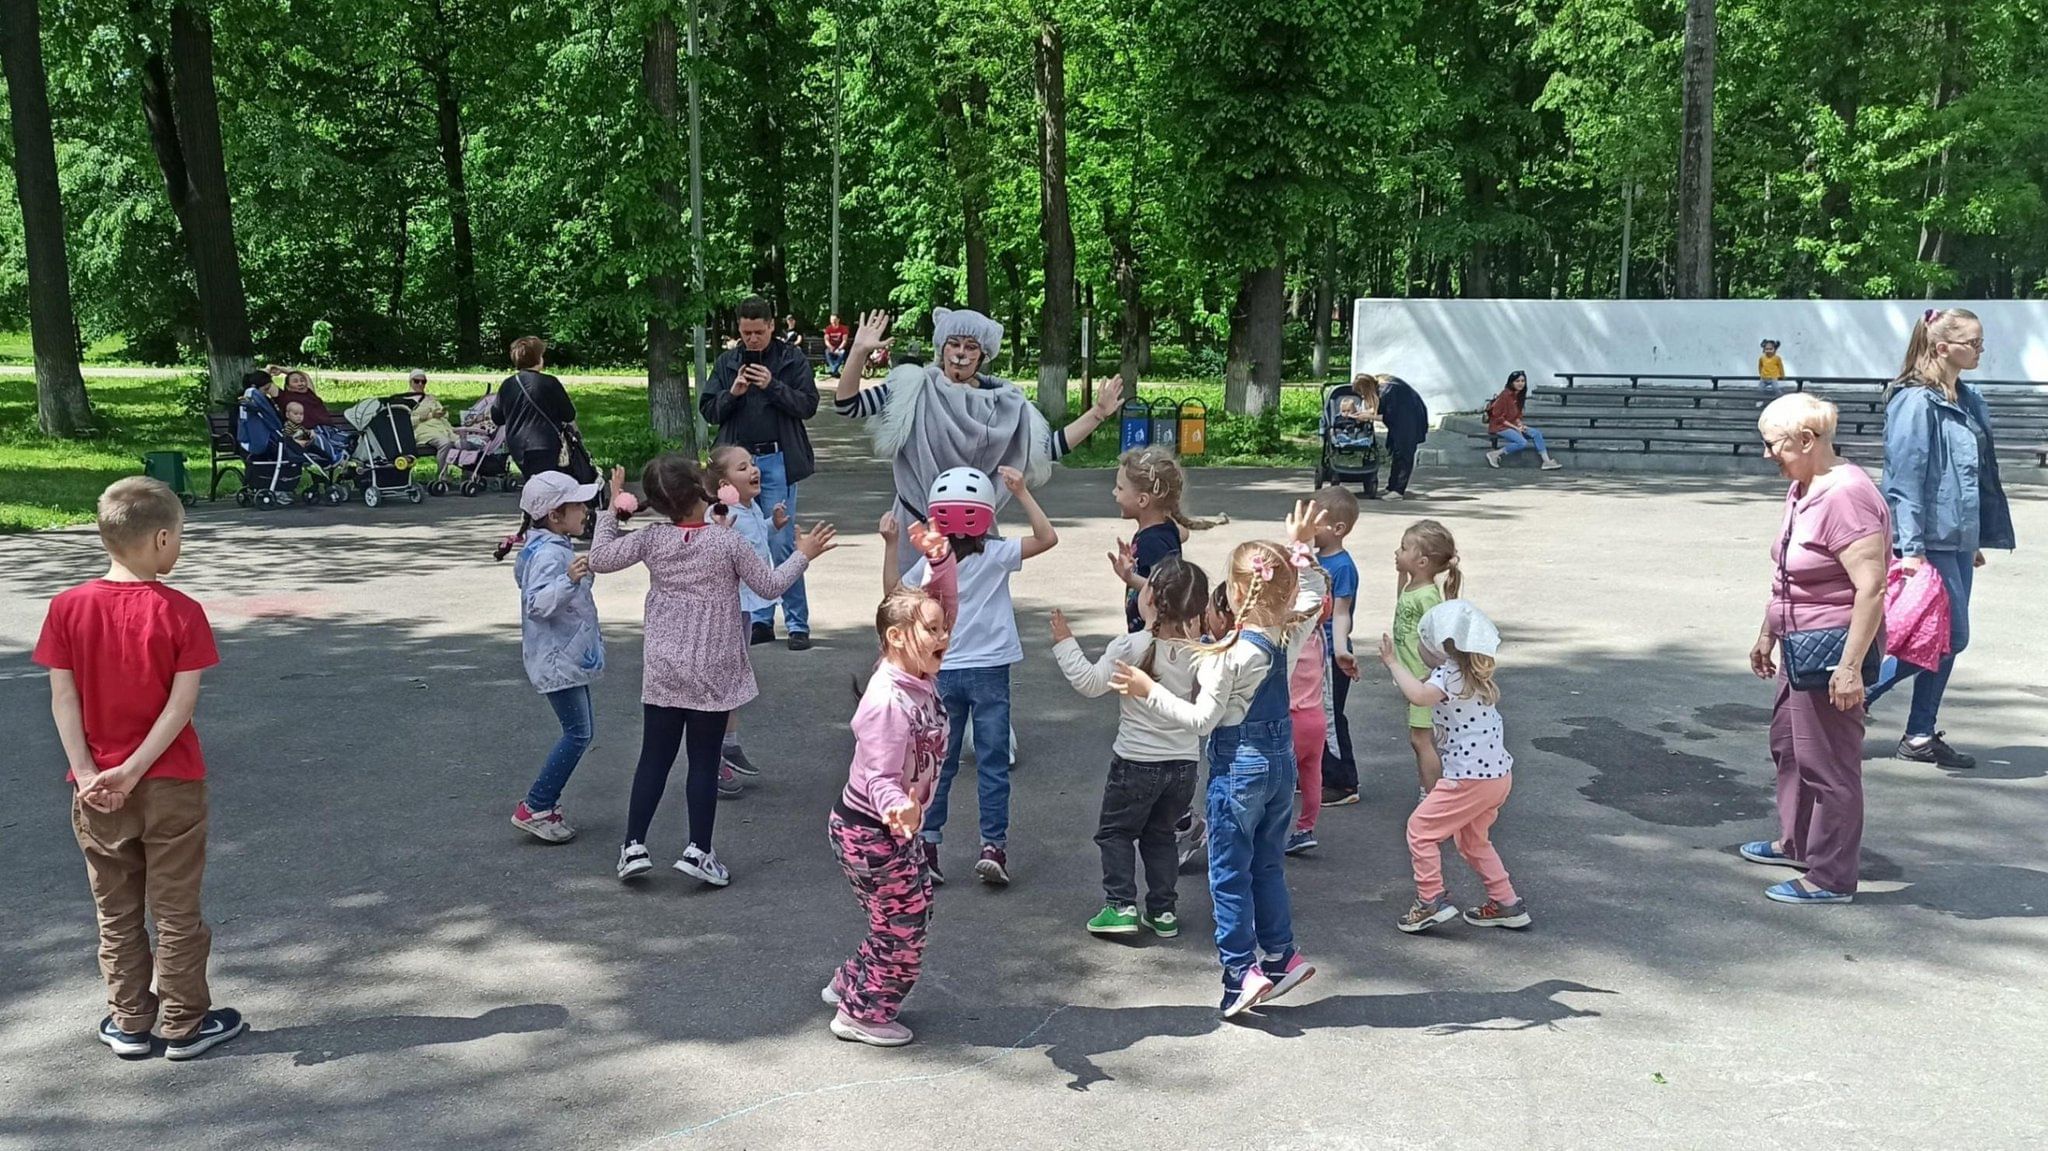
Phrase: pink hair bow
(1930, 315)
(1262, 566)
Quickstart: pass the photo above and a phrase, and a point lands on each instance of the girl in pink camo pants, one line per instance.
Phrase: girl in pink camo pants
(899, 745)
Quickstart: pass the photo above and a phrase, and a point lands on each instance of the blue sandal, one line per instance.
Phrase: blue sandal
(1764, 852)
(1790, 892)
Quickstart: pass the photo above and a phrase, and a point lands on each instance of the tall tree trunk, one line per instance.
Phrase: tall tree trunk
(1055, 226)
(61, 406)
(1326, 291)
(1013, 272)
(1251, 378)
(668, 389)
(1134, 322)
(1696, 157)
(469, 337)
(958, 128)
(183, 113)
(401, 245)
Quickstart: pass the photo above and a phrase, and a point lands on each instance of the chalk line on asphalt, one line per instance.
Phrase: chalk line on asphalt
(791, 1096)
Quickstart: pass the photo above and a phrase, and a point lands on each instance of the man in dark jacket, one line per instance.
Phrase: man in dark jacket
(759, 395)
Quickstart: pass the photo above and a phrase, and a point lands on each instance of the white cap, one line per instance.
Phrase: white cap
(549, 490)
(1462, 625)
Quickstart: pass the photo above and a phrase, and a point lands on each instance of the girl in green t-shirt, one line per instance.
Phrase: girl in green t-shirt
(1427, 553)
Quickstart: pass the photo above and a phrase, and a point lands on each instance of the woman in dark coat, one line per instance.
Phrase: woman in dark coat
(1407, 420)
(534, 409)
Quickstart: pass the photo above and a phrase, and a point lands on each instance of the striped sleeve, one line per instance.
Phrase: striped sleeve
(864, 403)
(1059, 443)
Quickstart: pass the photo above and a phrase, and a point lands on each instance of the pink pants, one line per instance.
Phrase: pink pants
(1308, 762)
(1460, 809)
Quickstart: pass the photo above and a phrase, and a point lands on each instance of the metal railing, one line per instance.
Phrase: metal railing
(1750, 382)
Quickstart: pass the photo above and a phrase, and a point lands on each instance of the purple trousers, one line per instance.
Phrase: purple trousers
(1819, 752)
(889, 880)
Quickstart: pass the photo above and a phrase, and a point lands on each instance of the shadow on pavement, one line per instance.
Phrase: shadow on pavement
(314, 1043)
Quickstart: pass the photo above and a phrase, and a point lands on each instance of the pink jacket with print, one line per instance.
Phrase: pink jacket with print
(899, 730)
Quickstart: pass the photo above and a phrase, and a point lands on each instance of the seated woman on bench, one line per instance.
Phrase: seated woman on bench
(1504, 420)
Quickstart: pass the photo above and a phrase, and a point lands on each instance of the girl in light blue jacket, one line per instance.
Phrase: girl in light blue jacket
(558, 637)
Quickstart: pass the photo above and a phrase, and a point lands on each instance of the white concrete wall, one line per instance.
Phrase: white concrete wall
(1459, 352)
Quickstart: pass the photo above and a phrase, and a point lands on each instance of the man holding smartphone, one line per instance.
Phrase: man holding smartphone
(759, 395)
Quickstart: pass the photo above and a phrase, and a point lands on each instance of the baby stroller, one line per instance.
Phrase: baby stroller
(477, 457)
(1351, 450)
(274, 466)
(384, 451)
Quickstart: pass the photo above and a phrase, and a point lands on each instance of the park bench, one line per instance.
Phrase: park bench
(224, 454)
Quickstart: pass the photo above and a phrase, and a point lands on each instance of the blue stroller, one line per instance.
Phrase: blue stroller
(1350, 443)
(275, 467)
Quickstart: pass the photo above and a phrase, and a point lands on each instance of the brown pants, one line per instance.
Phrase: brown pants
(151, 852)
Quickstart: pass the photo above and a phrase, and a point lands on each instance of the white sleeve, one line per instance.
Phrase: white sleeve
(1007, 552)
(1215, 680)
(1308, 597)
(919, 575)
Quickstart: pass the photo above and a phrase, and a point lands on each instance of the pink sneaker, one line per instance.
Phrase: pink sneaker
(1286, 974)
(729, 785)
(890, 1034)
(548, 826)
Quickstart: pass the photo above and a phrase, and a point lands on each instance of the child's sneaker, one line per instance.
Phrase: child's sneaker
(547, 826)
(1244, 991)
(1300, 841)
(633, 861)
(1492, 914)
(1339, 796)
(993, 867)
(931, 864)
(1165, 925)
(220, 1025)
(1287, 973)
(1114, 920)
(737, 761)
(729, 785)
(833, 994)
(890, 1034)
(1425, 914)
(125, 1043)
(701, 863)
(1189, 840)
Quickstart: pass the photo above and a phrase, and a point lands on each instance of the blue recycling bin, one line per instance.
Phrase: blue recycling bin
(1136, 423)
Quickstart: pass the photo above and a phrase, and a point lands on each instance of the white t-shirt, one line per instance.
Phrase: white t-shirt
(1470, 735)
(985, 632)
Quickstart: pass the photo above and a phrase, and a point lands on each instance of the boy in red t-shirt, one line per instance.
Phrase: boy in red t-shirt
(125, 653)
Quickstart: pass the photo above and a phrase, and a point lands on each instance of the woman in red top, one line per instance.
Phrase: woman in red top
(1504, 420)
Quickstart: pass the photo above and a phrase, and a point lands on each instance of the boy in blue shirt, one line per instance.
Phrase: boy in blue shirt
(1340, 769)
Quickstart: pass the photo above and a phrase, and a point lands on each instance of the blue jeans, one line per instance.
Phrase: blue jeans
(1512, 441)
(982, 694)
(776, 489)
(572, 708)
(1958, 573)
(1251, 809)
(834, 361)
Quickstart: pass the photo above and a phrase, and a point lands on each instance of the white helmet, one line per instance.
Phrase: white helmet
(962, 502)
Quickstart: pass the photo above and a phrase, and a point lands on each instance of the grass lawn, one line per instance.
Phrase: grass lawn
(48, 483)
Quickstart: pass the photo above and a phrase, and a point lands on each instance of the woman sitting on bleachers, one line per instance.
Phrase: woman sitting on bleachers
(1504, 421)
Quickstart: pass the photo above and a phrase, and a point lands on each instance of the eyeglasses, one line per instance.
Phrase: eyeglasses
(1974, 345)
(1777, 447)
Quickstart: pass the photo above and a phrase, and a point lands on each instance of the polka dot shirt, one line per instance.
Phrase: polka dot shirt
(1470, 735)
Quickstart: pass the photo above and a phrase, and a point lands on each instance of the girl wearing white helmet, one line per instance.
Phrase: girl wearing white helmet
(974, 678)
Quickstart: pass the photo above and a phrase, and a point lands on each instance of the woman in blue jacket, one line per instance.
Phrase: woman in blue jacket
(1941, 480)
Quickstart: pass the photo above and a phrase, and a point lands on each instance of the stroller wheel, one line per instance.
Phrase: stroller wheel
(266, 500)
(372, 497)
(416, 493)
(438, 487)
(336, 495)
(473, 488)
(243, 499)
(513, 484)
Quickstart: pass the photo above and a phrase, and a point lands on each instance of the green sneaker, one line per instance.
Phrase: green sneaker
(1165, 925)
(1114, 920)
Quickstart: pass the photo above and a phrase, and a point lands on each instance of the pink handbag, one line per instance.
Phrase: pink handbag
(1916, 615)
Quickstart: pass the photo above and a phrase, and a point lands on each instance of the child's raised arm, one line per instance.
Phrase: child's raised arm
(891, 535)
(1093, 679)
(1418, 693)
(1043, 537)
(610, 549)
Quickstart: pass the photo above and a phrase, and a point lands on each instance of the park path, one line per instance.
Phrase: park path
(419, 976)
(397, 374)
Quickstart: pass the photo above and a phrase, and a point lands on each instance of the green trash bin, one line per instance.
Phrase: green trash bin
(170, 468)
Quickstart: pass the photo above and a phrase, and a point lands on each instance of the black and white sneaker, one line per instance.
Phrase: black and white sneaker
(126, 1044)
(1935, 750)
(221, 1024)
(633, 861)
(738, 761)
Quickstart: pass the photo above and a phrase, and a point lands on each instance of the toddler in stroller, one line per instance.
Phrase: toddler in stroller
(1350, 448)
(277, 456)
(475, 457)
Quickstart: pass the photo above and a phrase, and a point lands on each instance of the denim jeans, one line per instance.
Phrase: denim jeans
(572, 708)
(1958, 574)
(982, 694)
(1141, 804)
(1512, 441)
(834, 361)
(1251, 808)
(776, 489)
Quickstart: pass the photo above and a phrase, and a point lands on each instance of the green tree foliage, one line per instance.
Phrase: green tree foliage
(1226, 158)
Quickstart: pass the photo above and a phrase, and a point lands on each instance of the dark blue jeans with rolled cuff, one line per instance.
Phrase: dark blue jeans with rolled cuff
(572, 709)
(980, 695)
(1251, 810)
(1958, 574)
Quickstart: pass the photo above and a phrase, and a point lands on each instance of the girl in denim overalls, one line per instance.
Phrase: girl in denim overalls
(1240, 702)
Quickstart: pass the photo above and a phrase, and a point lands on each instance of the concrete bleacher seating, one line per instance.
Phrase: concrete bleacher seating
(1708, 423)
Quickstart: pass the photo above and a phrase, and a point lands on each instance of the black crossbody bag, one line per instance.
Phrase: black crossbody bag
(1810, 657)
